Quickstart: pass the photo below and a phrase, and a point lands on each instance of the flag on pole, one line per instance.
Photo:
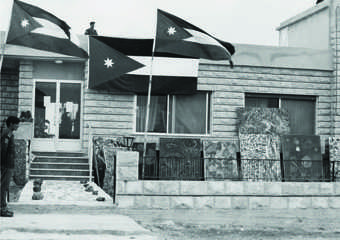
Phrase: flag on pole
(175, 35)
(33, 27)
(123, 65)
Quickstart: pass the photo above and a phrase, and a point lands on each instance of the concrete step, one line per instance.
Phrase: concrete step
(57, 172)
(59, 165)
(65, 178)
(60, 159)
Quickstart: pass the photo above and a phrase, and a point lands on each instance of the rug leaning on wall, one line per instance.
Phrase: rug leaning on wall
(21, 151)
(150, 162)
(273, 121)
(302, 158)
(110, 146)
(220, 160)
(260, 157)
(334, 156)
(180, 159)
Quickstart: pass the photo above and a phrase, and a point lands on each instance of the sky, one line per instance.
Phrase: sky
(235, 21)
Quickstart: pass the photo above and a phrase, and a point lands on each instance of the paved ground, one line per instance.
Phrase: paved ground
(67, 211)
(77, 220)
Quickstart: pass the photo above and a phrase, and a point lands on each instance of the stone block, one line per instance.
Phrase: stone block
(223, 202)
(336, 186)
(259, 202)
(151, 187)
(125, 201)
(134, 187)
(234, 188)
(182, 202)
(278, 202)
(120, 187)
(127, 158)
(160, 202)
(292, 188)
(326, 188)
(240, 202)
(215, 188)
(334, 202)
(254, 188)
(272, 188)
(127, 174)
(311, 188)
(169, 187)
(204, 202)
(300, 202)
(320, 202)
(143, 202)
(193, 188)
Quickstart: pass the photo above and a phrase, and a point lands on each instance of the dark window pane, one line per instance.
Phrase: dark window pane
(262, 102)
(157, 114)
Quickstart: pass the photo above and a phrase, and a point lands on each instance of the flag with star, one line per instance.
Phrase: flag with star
(33, 27)
(124, 65)
(177, 36)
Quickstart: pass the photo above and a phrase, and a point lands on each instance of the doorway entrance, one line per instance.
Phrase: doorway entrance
(57, 115)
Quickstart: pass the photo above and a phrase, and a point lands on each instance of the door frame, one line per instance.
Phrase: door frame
(56, 144)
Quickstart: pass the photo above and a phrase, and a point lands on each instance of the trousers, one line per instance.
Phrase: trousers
(5, 179)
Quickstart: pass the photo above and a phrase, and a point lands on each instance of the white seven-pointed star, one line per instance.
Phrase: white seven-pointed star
(108, 62)
(171, 30)
(24, 23)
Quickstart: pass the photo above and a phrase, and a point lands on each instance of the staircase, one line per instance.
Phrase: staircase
(59, 166)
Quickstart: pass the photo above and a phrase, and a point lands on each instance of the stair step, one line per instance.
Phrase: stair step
(52, 177)
(61, 159)
(60, 154)
(55, 165)
(57, 172)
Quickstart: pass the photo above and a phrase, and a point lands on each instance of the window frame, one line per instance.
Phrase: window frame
(208, 116)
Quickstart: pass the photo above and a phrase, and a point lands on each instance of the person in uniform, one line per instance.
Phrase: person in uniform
(91, 30)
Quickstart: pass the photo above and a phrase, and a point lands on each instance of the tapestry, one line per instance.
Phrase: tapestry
(180, 159)
(150, 162)
(334, 156)
(220, 160)
(302, 160)
(108, 146)
(20, 177)
(272, 121)
(260, 157)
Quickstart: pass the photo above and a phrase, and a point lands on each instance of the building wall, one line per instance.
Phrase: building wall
(9, 92)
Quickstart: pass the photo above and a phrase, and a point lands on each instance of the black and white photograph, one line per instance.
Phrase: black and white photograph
(170, 120)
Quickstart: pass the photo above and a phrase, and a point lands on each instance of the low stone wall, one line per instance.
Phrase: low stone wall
(134, 193)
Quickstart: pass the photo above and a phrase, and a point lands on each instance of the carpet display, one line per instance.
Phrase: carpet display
(302, 158)
(334, 156)
(150, 162)
(220, 160)
(260, 157)
(20, 177)
(109, 145)
(263, 121)
(180, 159)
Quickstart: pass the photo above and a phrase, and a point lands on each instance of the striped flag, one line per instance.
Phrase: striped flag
(175, 35)
(33, 27)
(130, 64)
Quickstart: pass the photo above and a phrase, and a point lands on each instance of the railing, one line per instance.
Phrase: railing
(269, 170)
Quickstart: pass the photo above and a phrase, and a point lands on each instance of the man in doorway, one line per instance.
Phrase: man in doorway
(91, 30)
(7, 162)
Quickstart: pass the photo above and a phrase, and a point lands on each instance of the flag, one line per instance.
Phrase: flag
(33, 27)
(175, 35)
(131, 61)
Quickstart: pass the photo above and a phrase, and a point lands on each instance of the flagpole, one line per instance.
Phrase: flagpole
(148, 105)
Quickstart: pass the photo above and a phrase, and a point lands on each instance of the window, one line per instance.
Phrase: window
(175, 114)
(301, 109)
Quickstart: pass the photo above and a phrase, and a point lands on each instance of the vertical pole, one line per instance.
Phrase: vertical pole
(148, 107)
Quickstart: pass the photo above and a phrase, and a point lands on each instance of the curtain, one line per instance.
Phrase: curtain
(189, 114)
(157, 113)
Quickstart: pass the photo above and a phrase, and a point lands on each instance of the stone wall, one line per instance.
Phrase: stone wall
(134, 193)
